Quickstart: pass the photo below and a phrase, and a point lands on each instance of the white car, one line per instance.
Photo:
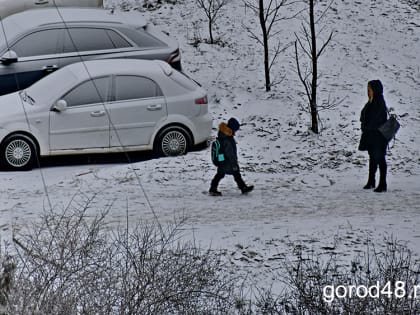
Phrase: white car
(102, 106)
(8, 7)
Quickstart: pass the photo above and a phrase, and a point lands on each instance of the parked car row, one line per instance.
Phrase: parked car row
(83, 80)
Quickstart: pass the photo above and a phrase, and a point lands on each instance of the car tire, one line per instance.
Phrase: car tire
(18, 153)
(172, 141)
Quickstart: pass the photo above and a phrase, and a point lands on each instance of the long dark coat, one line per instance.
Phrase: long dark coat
(228, 148)
(373, 115)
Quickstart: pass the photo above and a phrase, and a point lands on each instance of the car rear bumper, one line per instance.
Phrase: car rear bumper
(203, 125)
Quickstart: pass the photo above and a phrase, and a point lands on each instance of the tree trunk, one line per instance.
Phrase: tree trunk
(265, 43)
(211, 30)
(313, 103)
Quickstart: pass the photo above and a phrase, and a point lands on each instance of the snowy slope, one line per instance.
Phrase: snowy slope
(307, 187)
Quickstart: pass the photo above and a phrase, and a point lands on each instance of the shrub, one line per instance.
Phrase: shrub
(390, 273)
(71, 263)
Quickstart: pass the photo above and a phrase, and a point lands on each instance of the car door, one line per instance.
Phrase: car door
(37, 54)
(84, 124)
(137, 105)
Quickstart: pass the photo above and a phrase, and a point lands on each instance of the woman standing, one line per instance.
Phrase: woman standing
(373, 115)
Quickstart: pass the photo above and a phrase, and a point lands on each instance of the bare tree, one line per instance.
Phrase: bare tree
(268, 13)
(212, 9)
(307, 42)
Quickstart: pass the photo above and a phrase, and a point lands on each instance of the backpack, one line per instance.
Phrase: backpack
(217, 156)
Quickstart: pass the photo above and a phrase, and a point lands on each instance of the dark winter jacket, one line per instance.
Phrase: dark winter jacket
(373, 115)
(228, 148)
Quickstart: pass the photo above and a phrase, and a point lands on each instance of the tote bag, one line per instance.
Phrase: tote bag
(390, 128)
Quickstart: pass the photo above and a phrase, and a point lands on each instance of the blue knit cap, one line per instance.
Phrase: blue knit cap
(233, 124)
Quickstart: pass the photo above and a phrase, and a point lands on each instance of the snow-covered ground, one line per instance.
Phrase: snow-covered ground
(308, 188)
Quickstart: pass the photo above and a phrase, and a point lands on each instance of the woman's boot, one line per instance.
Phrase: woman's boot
(372, 172)
(382, 177)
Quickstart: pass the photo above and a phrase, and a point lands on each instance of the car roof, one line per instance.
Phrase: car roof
(96, 68)
(79, 72)
(30, 19)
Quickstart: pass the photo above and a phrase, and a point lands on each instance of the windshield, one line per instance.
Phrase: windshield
(56, 84)
(11, 29)
(2, 39)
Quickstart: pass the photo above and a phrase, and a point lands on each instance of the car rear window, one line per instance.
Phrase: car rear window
(183, 80)
(141, 38)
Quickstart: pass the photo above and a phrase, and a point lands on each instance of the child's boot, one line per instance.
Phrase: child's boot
(246, 189)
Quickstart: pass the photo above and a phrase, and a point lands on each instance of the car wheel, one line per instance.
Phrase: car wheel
(173, 141)
(19, 152)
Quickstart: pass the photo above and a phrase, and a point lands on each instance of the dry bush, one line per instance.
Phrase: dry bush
(7, 272)
(307, 276)
(72, 263)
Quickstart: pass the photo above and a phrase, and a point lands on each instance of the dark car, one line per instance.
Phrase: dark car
(37, 42)
(9, 7)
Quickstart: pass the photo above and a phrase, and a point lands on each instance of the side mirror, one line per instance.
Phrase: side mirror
(9, 57)
(59, 106)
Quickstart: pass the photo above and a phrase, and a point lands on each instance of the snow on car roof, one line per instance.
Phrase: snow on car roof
(18, 23)
(96, 68)
(81, 71)
(35, 17)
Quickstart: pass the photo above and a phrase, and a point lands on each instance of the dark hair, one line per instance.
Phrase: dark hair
(377, 87)
(378, 90)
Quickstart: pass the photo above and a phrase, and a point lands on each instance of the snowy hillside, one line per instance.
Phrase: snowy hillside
(308, 188)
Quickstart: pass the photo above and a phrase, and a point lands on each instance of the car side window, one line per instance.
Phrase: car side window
(89, 39)
(38, 43)
(89, 92)
(128, 87)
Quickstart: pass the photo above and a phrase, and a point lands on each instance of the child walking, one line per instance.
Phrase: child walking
(230, 164)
